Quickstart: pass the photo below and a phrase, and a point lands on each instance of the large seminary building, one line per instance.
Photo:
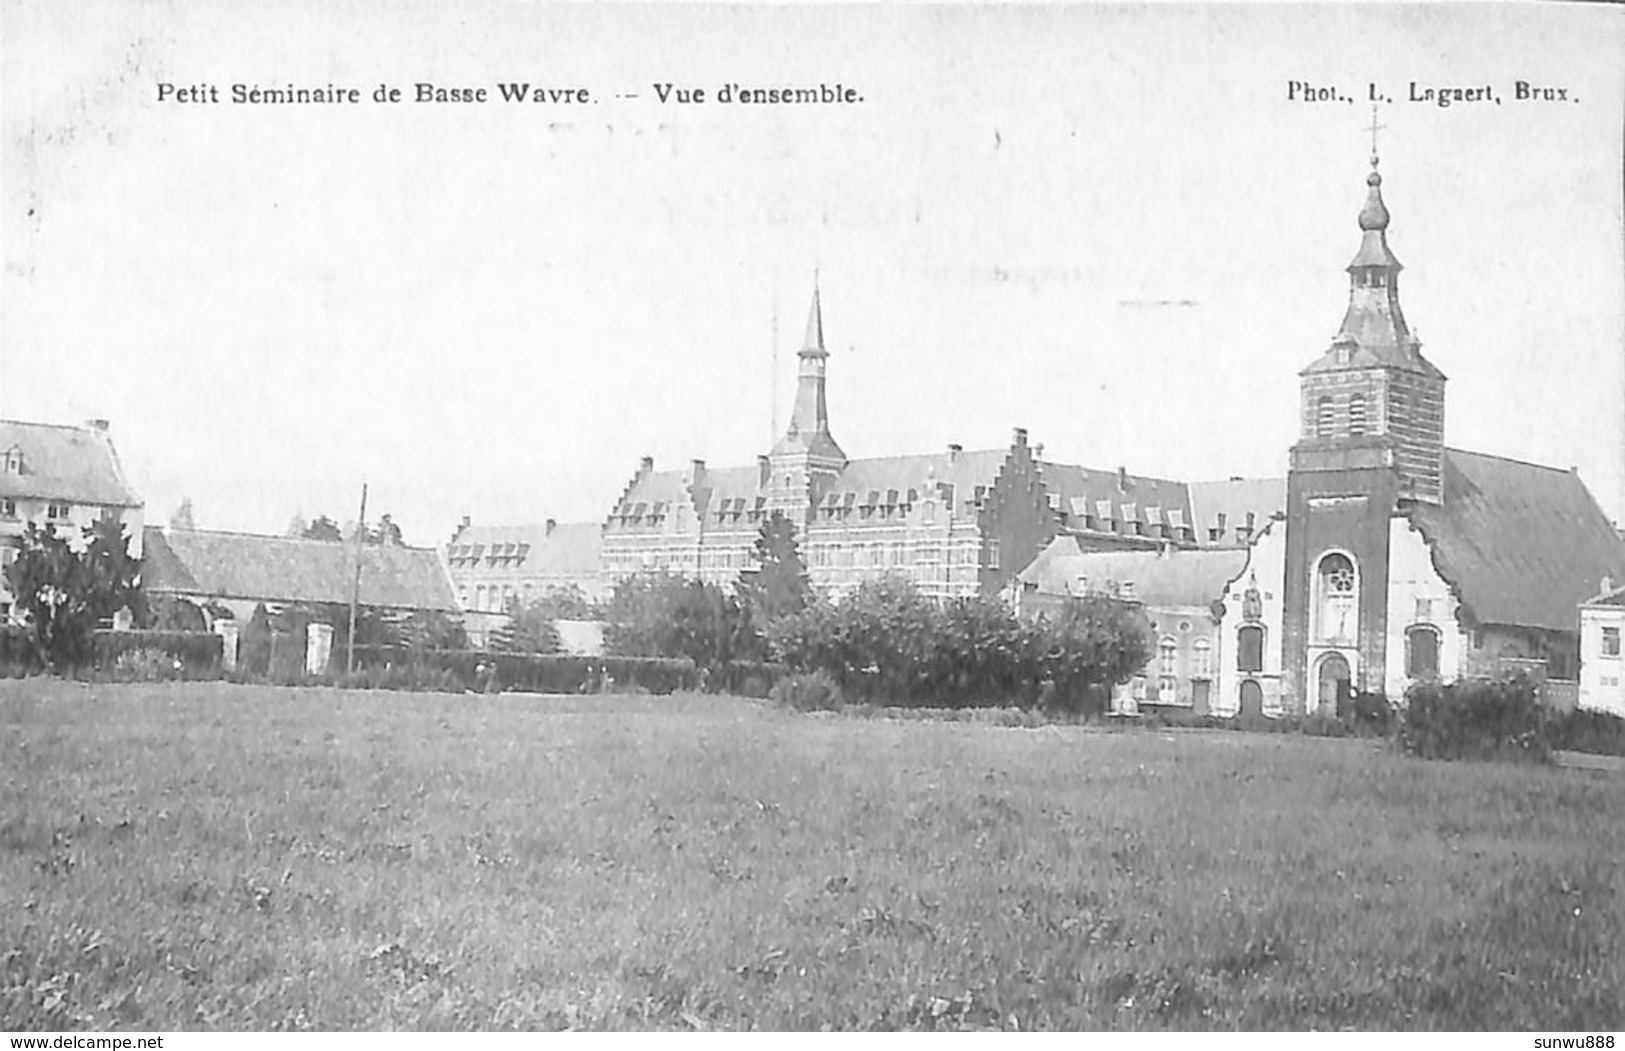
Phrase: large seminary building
(957, 523)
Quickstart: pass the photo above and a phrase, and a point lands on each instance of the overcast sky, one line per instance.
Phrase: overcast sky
(1109, 225)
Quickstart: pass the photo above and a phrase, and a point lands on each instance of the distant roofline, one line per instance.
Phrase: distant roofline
(167, 530)
(1512, 459)
(59, 426)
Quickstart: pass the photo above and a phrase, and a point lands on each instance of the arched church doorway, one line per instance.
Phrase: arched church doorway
(1334, 682)
(1252, 699)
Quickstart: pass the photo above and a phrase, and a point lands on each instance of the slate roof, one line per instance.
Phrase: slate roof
(1078, 491)
(291, 569)
(1234, 498)
(570, 549)
(73, 464)
(963, 470)
(1177, 578)
(1521, 543)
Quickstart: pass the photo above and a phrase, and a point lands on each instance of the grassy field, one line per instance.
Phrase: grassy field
(210, 856)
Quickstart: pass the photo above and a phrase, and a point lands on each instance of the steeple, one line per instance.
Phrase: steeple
(809, 418)
(1372, 388)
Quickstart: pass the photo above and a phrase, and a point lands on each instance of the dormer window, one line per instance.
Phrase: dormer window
(13, 460)
(57, 512)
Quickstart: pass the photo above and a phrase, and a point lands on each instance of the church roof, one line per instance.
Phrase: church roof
(1522, 544)
(73, 464)
(282, 569)
(1158, 578)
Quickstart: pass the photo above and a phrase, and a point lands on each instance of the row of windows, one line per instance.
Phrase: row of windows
(54, 510)
(1359, 414)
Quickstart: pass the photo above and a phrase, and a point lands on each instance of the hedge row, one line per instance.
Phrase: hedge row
(194, 649)
(533, 672)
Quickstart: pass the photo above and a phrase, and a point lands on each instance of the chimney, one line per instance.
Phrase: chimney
(764, 471)
(1019, 436)
(97, 424)
(696, 472)
(1123, 485)
(954, 449)
(551, 525)
(646, 465)
(1038, 451)
(467, 521)
(1607, 587)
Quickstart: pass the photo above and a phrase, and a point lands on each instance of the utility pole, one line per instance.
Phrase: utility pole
(355, 588)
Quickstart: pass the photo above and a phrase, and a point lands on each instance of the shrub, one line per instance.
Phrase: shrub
(145, 666)
(1584, 730)
(1474, 720)
(745, 678)
(815, 691)
(18, 654)
(197, 652)
(1371, 715)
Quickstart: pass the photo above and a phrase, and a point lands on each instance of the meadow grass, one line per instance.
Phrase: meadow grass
(196, 856)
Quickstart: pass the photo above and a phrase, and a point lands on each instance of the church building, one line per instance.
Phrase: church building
(1396, 558)
(1381, 559)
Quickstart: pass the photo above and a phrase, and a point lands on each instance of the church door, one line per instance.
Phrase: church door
(1334, 682)
(1252, 699)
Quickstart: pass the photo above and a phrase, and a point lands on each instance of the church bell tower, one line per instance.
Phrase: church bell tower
(1371, 441)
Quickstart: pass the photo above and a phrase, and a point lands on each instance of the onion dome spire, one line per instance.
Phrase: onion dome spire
(1374, 216)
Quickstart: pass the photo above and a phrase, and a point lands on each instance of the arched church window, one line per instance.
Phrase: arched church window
(1325, 415)
(1337, 589)
(1422, 652)
(1250, 648)
(1356, 415)
(1169, 653)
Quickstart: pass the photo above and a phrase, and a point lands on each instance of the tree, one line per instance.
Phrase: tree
(564, 602)
(66, 592)
(324, 528)
(297, 525)
(183, 516)
(1091, 645)
(659, 615)
(528, 630)
(386, 533)
(777, 586)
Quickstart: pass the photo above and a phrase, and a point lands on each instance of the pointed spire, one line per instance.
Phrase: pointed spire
(814, 343)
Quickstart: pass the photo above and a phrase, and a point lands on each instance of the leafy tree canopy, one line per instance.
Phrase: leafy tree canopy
(66, 590)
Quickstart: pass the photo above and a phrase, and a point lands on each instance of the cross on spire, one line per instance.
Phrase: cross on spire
(1375, 127)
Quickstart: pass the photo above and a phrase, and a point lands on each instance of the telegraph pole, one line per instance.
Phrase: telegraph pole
(355, 587)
